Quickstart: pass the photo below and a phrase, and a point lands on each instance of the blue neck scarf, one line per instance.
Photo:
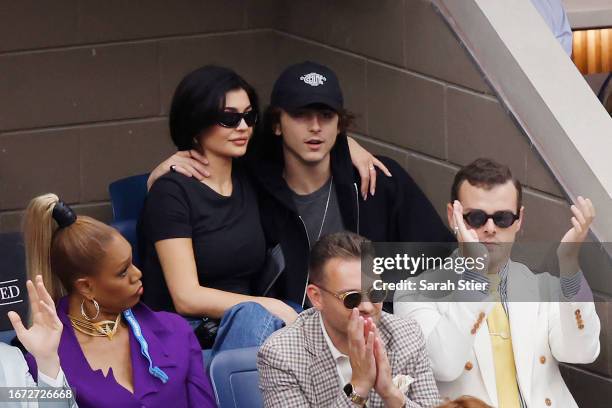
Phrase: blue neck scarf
(144, 346)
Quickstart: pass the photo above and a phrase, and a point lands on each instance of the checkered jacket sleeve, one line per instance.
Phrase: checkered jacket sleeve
(278, 379)
(286, 368)
(423, 392)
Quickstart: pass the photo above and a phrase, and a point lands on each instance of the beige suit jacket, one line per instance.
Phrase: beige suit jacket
(296, 367)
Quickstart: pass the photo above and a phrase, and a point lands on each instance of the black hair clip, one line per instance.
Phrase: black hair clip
(63, 214)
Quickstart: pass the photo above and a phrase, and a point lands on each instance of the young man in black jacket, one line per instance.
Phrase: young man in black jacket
(308, 186)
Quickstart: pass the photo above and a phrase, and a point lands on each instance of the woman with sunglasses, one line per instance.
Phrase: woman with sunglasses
(114, 351)
(203, 241)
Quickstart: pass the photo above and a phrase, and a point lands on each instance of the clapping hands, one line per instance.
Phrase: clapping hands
(583, 215)
(369, 362)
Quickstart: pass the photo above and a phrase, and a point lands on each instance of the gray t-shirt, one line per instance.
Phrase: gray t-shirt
(311, 207)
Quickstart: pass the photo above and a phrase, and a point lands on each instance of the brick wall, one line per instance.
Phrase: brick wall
(86, 87)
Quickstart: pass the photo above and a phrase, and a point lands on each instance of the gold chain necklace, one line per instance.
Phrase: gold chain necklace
(104, 328)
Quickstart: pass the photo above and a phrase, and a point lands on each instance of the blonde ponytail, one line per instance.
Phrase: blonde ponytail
(64, 252)
(38, 229)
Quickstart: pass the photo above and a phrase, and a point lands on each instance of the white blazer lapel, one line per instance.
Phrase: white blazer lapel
(484, 354)
(523, 321)
(523, 318)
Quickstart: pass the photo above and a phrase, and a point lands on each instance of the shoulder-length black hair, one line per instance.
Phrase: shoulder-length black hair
(199, 98)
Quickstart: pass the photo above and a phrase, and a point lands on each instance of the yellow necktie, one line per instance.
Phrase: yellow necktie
(503, 357)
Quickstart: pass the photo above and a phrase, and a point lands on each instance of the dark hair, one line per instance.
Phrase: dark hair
(199, 98)
(268, 146)
(344, 245)
(465, 402)
(485, 173)
(272, 117)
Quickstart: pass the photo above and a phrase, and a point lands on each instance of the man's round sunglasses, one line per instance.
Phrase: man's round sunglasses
(478, 218)
(353, 298)
(231, 119)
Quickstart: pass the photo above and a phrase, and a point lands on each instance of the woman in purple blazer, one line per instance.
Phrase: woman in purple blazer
(113, 349)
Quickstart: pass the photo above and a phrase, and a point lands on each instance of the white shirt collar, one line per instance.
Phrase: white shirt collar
(342, 362)
(336, 354)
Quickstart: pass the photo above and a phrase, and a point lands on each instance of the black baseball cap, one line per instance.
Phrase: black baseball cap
(307, 83)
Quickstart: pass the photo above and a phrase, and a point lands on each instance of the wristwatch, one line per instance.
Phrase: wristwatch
(353, 396)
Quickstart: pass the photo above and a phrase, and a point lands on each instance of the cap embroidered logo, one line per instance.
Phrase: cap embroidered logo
(313, 79)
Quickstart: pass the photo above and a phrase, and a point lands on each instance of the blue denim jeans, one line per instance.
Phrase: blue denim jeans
(246, 324)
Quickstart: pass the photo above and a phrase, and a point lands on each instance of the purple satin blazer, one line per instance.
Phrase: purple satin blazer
(172, 346)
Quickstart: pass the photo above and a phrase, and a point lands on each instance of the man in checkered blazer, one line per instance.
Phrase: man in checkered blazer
(345, 351)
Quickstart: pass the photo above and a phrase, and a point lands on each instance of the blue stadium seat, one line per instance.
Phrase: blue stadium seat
(6, 336)
(127, 196)
(235, 379)
(127, 199)
(206, 353)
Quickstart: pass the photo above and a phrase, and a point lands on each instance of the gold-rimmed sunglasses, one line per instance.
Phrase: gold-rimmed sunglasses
(353, 298)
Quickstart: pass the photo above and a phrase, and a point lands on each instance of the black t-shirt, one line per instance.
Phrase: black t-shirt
(228, 241)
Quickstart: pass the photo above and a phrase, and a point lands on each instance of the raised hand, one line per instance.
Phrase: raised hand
(583, 215)
(461, 230)
(469, 244)
(42, 339)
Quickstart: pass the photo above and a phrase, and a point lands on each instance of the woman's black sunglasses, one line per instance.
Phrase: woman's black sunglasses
(478, 218)
(231, 119)
(353, 298)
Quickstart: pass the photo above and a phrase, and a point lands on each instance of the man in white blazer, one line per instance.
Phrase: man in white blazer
(41, 340)
(502, 351)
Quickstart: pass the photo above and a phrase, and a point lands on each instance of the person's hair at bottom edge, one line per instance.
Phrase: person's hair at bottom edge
(465, 401)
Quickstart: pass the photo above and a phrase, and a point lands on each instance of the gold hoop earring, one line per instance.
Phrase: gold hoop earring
(96, 305)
